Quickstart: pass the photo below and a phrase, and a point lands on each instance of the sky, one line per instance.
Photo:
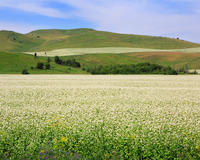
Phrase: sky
(168, 18)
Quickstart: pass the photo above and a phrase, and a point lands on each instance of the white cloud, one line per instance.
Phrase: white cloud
(18, 27)
(34, 7)
(138, 17)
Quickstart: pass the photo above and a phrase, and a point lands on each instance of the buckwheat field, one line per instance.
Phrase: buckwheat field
(99, 117)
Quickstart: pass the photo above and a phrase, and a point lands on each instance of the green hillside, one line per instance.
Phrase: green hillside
(45, 40)
(14, 63)
(173, 59)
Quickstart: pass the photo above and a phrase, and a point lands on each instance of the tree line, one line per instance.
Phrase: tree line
(69, 62)
(140, 68)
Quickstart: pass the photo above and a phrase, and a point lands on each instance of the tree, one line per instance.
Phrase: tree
(47, 66)
(48, 60)
(40, 65)
(58, 60)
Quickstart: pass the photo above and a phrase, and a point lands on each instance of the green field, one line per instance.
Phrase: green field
(110, 50)
(47, 40)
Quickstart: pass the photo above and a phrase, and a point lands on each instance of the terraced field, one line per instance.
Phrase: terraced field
(99, 117)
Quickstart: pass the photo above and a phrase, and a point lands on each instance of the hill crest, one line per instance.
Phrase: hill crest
(51, 39)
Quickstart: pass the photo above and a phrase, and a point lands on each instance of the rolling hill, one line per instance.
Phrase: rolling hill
(46, 40)
(91, 47)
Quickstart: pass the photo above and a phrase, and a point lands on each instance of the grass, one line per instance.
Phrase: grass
(46, 40)
(173, 59)
(14, 63)
(99, 117)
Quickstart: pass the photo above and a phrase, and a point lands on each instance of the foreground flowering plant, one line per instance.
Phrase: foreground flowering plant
(99, 117)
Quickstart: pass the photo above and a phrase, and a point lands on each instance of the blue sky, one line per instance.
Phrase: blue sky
(171, 18)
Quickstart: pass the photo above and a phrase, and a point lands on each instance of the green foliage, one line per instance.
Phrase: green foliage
(40, 65)
(48, 60)
(59, 143)
(58, 60)
(73, 63)
(47, 66)
(69, 62)
(140, 68)
(25, 71)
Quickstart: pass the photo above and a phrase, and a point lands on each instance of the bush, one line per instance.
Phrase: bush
(25, 71)
(47, 66)
(48, 60)
(140, 68)
(58, 60)
(40, 65)
(69, 62)
(72, 63)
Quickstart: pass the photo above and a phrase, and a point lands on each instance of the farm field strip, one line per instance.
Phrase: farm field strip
(105, 117)
(113, 50)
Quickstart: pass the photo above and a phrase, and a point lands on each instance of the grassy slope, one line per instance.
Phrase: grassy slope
(14, 63)
(42, 40)
(175, 60)
(14, 42)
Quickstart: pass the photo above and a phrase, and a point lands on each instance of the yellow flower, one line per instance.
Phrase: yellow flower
(63, 139)
(197, 147)
(42, 151)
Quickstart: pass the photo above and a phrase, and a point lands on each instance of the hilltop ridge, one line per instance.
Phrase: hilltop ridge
(51, 39)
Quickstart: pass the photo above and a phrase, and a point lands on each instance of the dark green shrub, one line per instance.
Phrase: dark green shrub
(58, 60)
(72, 63)
(25, 71)
(140, 68)
(47, 66)
(48, 60)
(40, 65)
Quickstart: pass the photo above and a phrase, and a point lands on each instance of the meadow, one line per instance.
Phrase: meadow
(99, 117)
(111, 50)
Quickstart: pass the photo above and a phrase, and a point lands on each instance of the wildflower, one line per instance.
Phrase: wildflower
(42, 151)
(197, 147)
(63, 139)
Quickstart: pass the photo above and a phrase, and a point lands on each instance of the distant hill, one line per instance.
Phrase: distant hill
(45, 40)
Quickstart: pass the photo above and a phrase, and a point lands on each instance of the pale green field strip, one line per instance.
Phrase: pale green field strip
(197, 70)
(113, 50)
